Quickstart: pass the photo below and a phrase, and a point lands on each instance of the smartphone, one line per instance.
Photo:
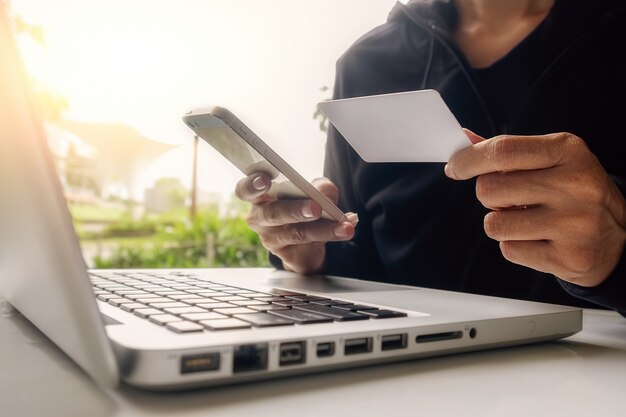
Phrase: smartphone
(234, 140)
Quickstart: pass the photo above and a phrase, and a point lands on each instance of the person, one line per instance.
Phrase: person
(536, 211)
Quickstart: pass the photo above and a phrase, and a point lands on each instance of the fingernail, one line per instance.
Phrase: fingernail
(341, 231)
(258, 183)
(307, 211)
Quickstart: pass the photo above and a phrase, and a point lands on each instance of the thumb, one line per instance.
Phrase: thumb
(473, 137)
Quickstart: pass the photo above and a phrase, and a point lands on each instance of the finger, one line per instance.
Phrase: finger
(534, 223)
(511, 153)
(253, 187)
(281, 212)
(305, 233)
(326, 187)
(499, 190)
(539, 255)
(473, 137)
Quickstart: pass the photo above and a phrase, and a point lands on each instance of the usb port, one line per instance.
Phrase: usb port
(199, 363)
(359, 345)
(292, 353)
(394, 341)
(325, 349)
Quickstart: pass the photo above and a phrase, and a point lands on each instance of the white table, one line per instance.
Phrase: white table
(584, 375)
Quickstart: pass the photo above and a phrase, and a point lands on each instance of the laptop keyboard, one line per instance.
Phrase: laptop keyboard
(184, 303)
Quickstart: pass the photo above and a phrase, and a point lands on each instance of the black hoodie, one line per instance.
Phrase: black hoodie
(420, 228)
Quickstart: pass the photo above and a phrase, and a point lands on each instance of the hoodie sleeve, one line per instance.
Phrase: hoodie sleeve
(612, 292)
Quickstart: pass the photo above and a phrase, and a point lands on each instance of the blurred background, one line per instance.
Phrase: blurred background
(114, 78)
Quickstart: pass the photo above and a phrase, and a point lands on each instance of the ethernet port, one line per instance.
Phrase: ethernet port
(250, 358)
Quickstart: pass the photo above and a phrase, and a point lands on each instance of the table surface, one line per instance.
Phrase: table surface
(582, 375)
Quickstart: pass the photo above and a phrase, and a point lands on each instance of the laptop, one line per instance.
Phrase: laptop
(172, 329)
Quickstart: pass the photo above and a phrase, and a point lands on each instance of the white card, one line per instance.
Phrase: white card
(414, 126)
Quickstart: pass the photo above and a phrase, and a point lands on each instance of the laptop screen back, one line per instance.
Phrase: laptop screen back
(42, 273)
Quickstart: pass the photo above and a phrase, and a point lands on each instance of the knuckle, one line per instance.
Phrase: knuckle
(582, 261)
(503, 150)
(297, 234)
(571, 141)
(594, 192)
(269, 242)
(270, 213)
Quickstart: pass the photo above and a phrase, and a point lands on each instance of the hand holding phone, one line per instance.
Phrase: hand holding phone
(234, 140)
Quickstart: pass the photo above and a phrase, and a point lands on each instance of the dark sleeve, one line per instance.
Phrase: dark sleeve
(359, 257)
(612, 292)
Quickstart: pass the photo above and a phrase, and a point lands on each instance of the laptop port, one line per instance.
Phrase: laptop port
(325, 349)
(250, 358)
(200, 362)
(359, 345)
(394, 341)
(437, 337)
(292, 353)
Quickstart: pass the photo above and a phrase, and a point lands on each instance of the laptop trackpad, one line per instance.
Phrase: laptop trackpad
(320, 283)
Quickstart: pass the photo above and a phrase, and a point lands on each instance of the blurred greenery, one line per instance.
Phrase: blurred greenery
(318, 115)
(210, 240)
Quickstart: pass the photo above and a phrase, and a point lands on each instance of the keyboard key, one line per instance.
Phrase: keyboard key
(234, 310)
(264, 320)
(249, 303)
(184, 310)
(330, 302)
(276, 291)
(300, 316)
(229, 298)
(153, 300)
(270, 298)
(203, 316)
(171, 304)
(206, 293)
(306, 298)
(119, 301)
(238, 291)
(288, 303)
(195, 301)
(354, 307)
(184, 327)
(226, 324)
(163, 319)
(214, 305)
(258, 294)
(142, 296)
(129, 292)
(146, 312)
(130, 307)
(268, 307)
(179, 297)
(383, 314)
(106, 297)
(337, 314)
